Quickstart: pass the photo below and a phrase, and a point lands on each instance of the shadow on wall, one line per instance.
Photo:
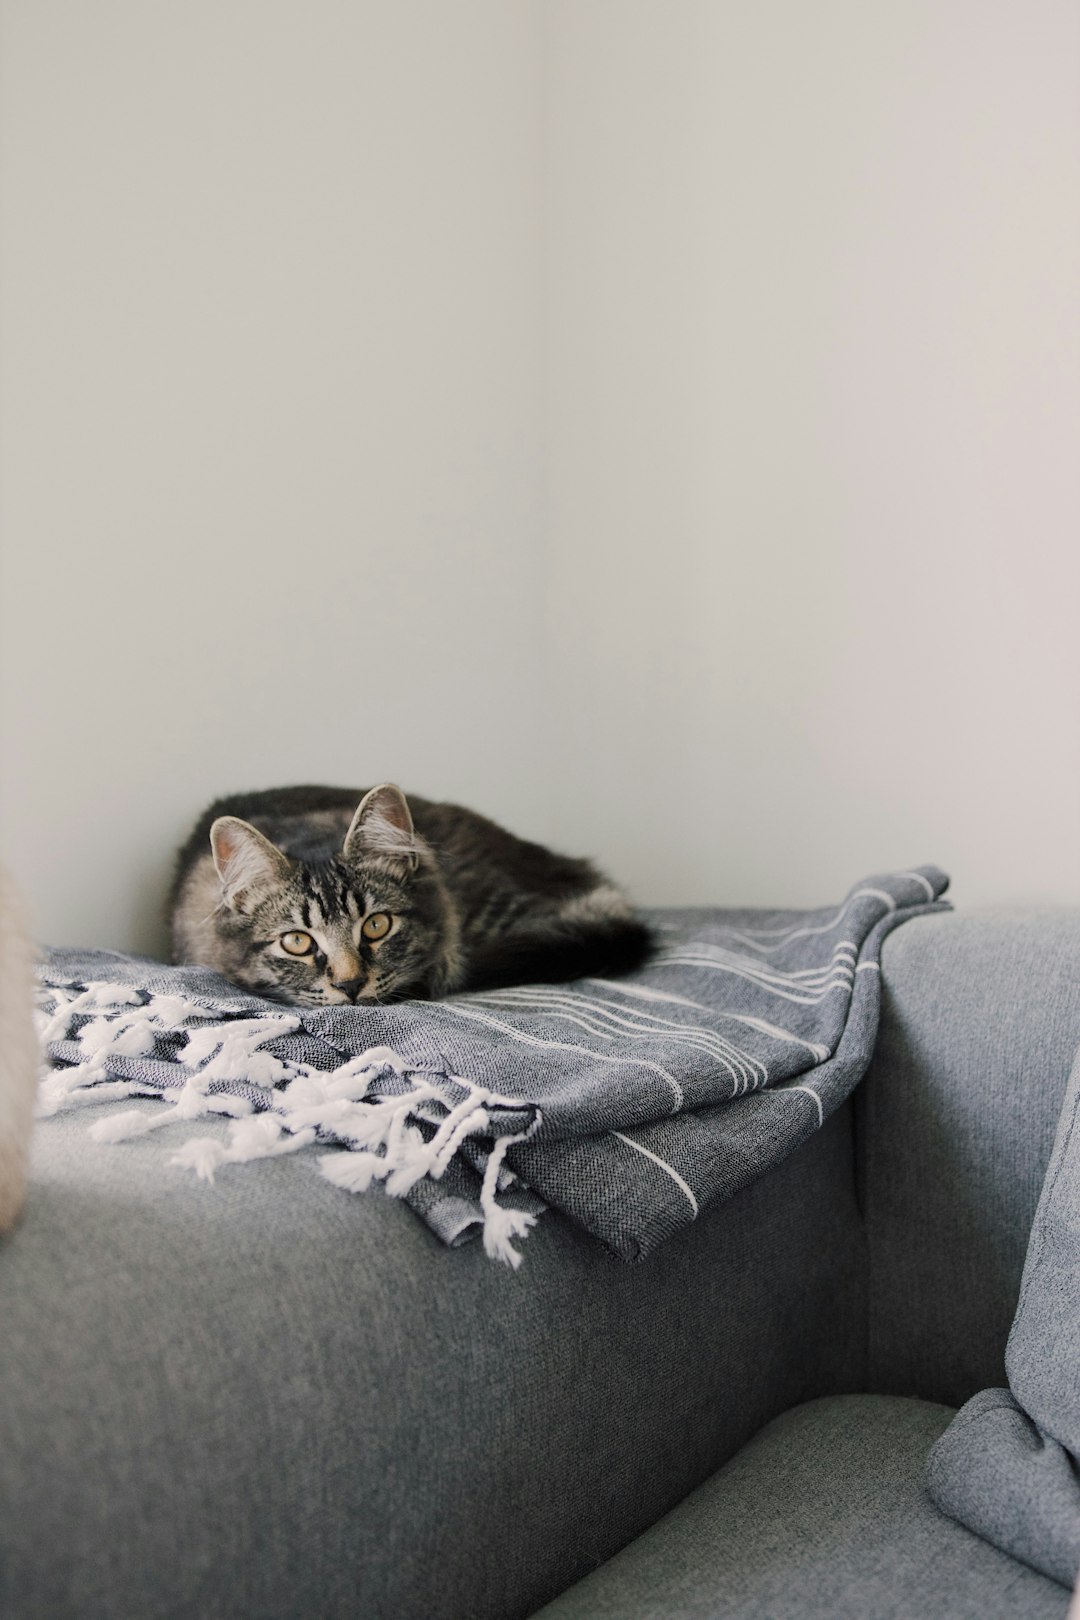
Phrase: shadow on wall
(149, 928)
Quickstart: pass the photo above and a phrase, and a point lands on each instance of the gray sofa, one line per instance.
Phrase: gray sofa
(266, 1398)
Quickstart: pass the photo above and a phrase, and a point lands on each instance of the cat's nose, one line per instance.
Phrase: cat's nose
(351, 987)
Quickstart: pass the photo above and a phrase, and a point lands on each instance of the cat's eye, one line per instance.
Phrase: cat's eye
(297, 943)
(377, 926)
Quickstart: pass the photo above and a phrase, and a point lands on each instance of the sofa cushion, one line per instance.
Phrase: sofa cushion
(260, 1397)
(1008, 1465)
(980, 1020)
(1043, 1354)
(995, 1471)
(824, 1513)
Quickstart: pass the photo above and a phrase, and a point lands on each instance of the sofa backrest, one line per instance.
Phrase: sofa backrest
(955, 1123)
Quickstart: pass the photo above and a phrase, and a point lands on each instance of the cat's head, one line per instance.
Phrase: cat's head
(373, 923)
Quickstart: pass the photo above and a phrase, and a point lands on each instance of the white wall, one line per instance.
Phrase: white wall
(269, 425)
(655, 424)
(814, 400)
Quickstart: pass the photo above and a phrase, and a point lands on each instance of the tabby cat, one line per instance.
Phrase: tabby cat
(304, 894)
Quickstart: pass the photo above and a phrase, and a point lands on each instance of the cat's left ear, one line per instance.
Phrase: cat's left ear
(247, 862)
(383, 825)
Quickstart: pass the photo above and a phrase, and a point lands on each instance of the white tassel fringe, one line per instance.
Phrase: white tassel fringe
(384, 1130)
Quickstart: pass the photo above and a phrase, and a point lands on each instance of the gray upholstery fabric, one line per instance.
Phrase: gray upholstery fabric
(823, 1514)
(980, 1021)
(1043, 1353)
(266, 1398)
(994, 1471)
(1007, 1466)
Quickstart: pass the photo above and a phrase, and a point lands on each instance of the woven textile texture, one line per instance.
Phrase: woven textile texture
(630, 1104)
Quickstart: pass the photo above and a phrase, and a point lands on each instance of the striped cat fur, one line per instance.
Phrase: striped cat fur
(324, 895)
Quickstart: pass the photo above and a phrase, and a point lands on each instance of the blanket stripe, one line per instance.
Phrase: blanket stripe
(631, 1105)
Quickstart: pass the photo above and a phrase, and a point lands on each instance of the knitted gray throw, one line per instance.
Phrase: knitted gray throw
(631, 1104)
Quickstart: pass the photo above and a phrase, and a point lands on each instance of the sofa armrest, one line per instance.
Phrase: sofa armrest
(266, 1397)
(955, 1122)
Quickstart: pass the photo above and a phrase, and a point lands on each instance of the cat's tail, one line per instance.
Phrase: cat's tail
(560, 952)
(19, 1055)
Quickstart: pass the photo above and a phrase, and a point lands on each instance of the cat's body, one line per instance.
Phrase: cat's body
(326, 895)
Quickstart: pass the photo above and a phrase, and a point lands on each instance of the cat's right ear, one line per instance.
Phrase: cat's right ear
(383, 825)
(246, 861)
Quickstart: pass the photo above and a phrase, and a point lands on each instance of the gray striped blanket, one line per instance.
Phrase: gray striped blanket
(631, 1105)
